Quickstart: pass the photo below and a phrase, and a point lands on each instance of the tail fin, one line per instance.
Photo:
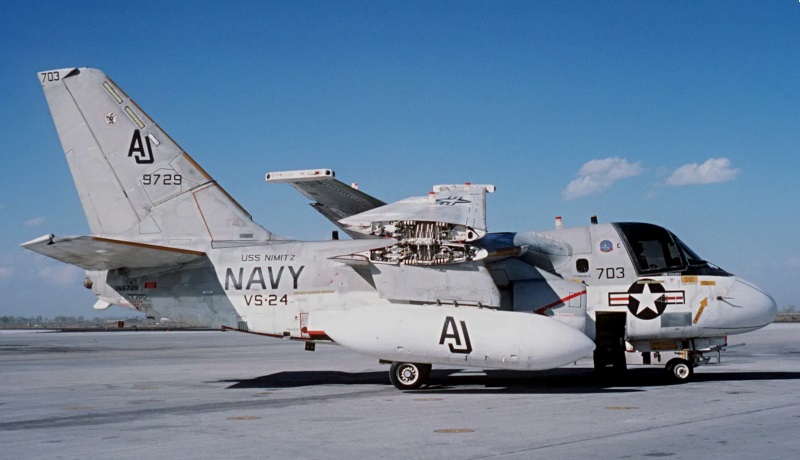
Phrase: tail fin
(135, 183)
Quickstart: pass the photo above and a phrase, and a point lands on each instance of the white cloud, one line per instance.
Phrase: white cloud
(6, 272)
(713, 171)
(35, 222)
(596, 176)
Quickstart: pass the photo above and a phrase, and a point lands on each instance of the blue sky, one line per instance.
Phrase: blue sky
(683, 114)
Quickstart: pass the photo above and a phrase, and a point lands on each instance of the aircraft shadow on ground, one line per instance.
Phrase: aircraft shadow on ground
(745, 376)
(499, 381)
(447, 380)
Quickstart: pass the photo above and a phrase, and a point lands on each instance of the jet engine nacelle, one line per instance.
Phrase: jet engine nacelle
(100, 282)
(97, 281)
(466, 336)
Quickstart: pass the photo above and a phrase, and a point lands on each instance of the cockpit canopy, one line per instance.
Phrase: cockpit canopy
(655, 250)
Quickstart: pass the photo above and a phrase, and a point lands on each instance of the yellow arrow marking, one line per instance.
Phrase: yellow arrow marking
(703, 305)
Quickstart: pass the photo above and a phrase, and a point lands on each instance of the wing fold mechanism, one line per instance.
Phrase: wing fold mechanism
(96, 253)
(442, 228)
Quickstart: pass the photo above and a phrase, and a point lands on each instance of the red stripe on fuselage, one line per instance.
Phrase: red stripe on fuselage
(559, 302)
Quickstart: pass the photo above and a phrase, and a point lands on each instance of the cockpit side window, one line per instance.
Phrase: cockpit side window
(655, 250)
(652, 248)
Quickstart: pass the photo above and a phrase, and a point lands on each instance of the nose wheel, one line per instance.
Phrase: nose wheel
(409, 376)
(680, 370)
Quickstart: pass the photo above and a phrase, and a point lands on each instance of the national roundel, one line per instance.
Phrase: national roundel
(644, 297)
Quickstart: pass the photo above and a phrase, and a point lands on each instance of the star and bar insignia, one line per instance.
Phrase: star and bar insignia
(451, 201)
(646, 298)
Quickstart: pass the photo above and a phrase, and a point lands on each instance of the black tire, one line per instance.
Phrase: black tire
(408, 376)
(680, 370)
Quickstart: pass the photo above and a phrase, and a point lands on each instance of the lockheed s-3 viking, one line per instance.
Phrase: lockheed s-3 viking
(421, 281)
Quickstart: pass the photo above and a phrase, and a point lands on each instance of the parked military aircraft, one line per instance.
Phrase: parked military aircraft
(421, 282)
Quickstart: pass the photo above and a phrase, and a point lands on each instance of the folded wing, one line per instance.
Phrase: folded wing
(463, 206)
(332, 198)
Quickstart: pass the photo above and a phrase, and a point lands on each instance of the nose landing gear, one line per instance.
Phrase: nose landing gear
(680, 370)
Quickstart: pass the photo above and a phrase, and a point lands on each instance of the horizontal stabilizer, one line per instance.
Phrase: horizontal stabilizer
(95, 253)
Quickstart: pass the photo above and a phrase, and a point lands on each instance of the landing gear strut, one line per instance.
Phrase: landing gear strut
(613, 358)
(409, 376)
(609, 353)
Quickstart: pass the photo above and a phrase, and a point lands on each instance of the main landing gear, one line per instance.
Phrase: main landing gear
(409, 376)
(608, 362)
(609, 352)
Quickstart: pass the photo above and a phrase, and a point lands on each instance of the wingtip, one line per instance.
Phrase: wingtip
(48, 239)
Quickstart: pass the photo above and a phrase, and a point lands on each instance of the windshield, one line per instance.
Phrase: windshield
(655, 250)
(691, 257)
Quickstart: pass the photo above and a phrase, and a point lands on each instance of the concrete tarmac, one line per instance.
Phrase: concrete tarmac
(212, 395)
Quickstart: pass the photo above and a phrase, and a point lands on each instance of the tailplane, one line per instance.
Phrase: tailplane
(135, 183)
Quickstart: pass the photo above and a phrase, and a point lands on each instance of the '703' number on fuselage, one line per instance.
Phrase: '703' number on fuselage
(610, 272)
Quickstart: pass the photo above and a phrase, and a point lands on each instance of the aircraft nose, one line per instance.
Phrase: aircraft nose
(748, 307)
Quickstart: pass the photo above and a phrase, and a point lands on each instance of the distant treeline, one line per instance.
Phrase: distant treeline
(788, 317)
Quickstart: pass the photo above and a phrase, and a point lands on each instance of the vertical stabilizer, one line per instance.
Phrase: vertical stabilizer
(134, 181)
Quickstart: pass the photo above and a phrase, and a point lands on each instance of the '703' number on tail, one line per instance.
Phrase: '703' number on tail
(50, 76)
